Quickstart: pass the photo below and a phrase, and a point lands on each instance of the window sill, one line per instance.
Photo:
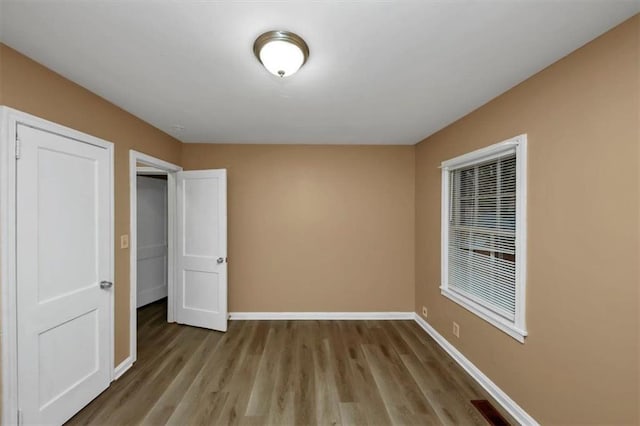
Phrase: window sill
(487, 315)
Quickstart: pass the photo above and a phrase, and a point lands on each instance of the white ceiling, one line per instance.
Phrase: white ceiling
(379, 72)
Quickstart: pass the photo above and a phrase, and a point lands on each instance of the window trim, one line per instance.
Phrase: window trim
(516, 329)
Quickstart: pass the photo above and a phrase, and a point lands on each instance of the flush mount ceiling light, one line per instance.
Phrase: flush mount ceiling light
(282, 53)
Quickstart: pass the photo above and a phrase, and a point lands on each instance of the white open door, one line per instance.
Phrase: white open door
(64, 256)
(201, 281)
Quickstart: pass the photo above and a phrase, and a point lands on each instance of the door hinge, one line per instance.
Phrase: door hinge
(18, 147)
(20, 418)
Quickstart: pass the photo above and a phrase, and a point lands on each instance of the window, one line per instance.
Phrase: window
(483, 233)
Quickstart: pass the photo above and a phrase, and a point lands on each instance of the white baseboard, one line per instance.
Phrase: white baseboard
(122, 368)
(501, 398)
(321, 315)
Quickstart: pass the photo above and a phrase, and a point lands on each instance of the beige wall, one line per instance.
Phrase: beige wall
(580, 363)
(317, 228)
(29, 87)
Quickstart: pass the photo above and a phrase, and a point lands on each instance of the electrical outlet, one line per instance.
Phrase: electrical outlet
(456, 329)
(424, 311)
(124, 241)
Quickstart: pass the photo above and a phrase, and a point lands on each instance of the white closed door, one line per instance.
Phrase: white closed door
(151, 212)
(64, 244)
(201, 293)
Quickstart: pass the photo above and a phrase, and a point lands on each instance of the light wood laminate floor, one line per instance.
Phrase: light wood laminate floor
(287, 373)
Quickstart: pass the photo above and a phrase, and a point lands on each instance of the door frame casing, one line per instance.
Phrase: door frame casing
(170, 170)
(9, 120)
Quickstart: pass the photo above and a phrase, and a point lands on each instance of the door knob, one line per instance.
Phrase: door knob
(220, 260)
(105, 285)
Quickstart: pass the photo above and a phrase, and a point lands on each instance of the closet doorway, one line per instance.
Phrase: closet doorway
(153, 205)
(151, 235)
(178, 244)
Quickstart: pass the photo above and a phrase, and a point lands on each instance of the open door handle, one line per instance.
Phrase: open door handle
(105, 285)
(220, 260)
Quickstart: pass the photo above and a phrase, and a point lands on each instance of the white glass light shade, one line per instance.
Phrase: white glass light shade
(281, 57)
(282, 53)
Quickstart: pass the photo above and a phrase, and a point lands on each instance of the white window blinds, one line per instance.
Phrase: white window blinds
(484, 195)
(482, 222)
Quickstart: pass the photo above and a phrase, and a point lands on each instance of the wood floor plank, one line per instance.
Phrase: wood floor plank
(351, 414)
(369, 395)
(140, 401)
(304, 385)
(287, 373)
(392, 352)
(401, 406)
(243, 377)
(167, 403)
(282, 410)
(326, 391)
(260, 399)
(340, 362)
(236, 403)
(207, 394)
